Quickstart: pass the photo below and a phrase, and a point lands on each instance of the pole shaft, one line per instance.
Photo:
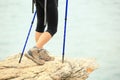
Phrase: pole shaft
(65, 24)
(27, 37)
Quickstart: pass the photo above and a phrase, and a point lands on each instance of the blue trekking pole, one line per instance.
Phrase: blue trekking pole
(27, 37)
(64, 39)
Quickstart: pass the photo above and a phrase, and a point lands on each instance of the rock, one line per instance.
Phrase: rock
(71, 69)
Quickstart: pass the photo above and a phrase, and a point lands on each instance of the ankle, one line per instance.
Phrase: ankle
(38, 47)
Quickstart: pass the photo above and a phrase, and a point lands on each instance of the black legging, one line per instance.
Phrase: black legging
(51, 16)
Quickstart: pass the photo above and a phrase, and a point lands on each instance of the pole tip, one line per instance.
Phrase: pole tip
(19, 60)
(62, 60)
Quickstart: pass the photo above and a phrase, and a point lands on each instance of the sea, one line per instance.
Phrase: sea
(93, 31)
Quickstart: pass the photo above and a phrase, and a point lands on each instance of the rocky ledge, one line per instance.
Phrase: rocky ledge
(71, 69)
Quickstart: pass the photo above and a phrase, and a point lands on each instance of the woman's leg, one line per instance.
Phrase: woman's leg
(40, 19)
(43, 39)
(52, 19)
(37, 36)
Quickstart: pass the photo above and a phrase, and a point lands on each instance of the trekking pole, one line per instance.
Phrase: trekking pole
(64, 37)
(27, 37)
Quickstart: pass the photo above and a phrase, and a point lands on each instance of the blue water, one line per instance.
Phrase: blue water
(93, 30)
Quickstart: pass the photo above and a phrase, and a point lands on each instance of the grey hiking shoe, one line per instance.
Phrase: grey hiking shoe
(44, 55)
(33, 54)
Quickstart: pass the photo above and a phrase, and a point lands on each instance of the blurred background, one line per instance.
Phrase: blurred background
(93, 31)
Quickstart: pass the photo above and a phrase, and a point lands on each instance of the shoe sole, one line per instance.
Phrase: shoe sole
(33, 59)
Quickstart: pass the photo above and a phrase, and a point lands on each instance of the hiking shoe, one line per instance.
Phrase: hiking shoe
(33, 54)
(43, 54)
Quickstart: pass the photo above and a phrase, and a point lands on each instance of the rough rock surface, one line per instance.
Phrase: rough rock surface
(71, 69)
